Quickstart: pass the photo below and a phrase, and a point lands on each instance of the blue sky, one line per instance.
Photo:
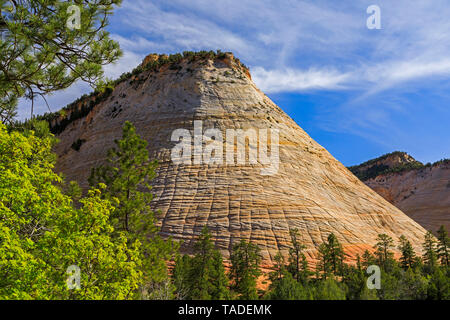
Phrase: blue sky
(360, 93)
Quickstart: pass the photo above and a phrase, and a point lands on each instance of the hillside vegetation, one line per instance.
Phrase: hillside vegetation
(379, 166)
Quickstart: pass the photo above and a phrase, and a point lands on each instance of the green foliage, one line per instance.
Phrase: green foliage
(129, 171)
(355, 281)
(439, 285)
(279, 268)
(371, 169)
(408, 258)
(180, 277)
(127, 178)
(429, 255)
(413, 281)
(298, 265)
(73, 191)
(329, 289)
(368, 259)
(389, 286)
(383, 251)
(173, 60)
(42, 234)
(412, 286)
(39, 54)
(201, 277)
(111, 235)
(377, 170)
(331, 256)
(287, 288)
(245, 260)
(443, 248)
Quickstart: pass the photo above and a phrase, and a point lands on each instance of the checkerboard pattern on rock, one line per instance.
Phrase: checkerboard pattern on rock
(311, 191)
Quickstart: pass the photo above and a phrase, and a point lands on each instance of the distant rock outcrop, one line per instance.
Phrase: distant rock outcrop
(310, 190)
(421, 191)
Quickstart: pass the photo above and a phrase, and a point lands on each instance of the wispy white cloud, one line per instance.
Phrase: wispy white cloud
(179, 29)
(274, 81)
(392, 73)
(302, 46)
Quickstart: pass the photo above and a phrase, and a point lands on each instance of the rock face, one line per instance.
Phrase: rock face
(422, 192)
(310, 191)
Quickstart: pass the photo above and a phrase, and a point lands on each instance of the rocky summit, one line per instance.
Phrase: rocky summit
(194, 99)
(421, 191)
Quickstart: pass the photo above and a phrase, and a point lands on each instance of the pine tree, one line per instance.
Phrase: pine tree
(408, 258)
(288, 288)
(412, 286)
(180, 277)
(127, 177)
(389, 286)
(245, 260)
(429, 249)
(279, 268)
(443, 249)
(439, 285)
(367, 259)
(324, 261)
(219, 279)
(329, 289)
(331, 256)
(355, 281)
(383, 250)
(207, 278)
(298, 265)
(41, 54)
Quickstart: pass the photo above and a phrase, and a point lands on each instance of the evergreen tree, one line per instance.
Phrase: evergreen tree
(383, 251)
(206, 275)
(367, 259)
(219, 279)
(412, 286)
(280, 268)
(439, 285)
(288, 288)
(127, 177)
(245, 260)
(329, 289)
(429, 255)
(180, 277)
(331, 256)
(443, 249)
(40, 54)
(355, 281)
(368, 294)
(389, 286)
(298, 265)
(408, 258)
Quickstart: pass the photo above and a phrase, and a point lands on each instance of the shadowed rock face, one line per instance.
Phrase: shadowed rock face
(311, 191)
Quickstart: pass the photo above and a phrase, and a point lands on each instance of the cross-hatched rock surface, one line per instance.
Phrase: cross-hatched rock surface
(311, 191)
